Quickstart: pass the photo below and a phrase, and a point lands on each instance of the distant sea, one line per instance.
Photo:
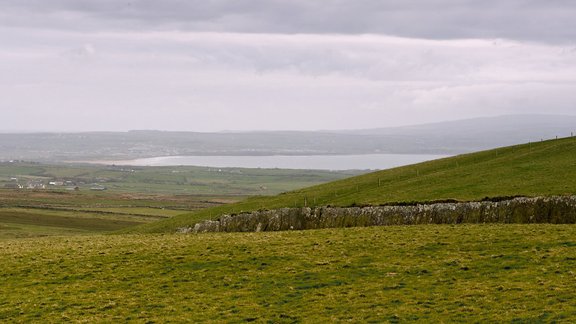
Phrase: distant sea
(319, 162)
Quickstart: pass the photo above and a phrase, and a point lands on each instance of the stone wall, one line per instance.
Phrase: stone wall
(555, 210)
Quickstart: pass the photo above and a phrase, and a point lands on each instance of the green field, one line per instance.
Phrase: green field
(430, 273)
(29, 213)
(534, 169)
(133, 195)
(187, 180)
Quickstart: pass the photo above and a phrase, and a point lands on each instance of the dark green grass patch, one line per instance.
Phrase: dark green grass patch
(41, 213)
(11, 231)
(40, 219)
(464, 273)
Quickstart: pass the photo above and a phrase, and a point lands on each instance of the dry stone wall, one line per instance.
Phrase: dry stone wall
(555, 210)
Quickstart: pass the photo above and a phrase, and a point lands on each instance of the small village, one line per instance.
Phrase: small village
(36, 184)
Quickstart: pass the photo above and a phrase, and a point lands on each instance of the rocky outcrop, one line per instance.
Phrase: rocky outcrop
(555, 210)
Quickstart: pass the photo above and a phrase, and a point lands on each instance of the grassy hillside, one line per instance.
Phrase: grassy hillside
(533, 169)
(431, 274)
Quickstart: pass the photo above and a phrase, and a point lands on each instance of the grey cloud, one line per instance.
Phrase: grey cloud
(548, 21)
(169, 64)
(188, 81)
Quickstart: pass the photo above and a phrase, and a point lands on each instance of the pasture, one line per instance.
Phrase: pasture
(430, 273)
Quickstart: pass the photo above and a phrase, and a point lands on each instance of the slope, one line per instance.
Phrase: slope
(533, 169)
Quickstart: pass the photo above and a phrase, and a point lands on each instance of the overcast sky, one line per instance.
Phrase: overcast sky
(211, 65)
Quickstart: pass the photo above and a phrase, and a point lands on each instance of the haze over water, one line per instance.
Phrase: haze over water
(320, 162)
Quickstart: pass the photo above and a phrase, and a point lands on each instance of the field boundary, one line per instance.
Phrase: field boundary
(521, 210)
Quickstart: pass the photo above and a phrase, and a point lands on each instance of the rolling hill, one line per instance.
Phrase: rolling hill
(533, 169)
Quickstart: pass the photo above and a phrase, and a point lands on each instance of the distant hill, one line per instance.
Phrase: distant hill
(440, 138)
(536, 169)
(482, 133)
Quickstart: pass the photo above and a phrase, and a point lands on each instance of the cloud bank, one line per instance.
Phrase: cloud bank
(547, 21)
(217, 65)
